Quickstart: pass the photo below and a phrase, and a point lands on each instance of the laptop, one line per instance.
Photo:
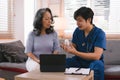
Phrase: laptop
(52, 62)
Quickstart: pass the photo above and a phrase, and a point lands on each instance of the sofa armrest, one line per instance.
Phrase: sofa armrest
(15, 67)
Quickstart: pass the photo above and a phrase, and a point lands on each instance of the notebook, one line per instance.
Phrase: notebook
(81, 71)
(52, 62)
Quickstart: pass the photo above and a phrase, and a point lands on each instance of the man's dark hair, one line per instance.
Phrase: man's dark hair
(38, 22)
(85, 13)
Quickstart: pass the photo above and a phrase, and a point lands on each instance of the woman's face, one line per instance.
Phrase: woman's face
(46, 21)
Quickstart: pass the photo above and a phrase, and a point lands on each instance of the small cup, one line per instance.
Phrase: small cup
(67, 42)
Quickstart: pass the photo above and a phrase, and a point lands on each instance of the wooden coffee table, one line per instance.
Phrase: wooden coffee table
(37, 75)
(2, 79)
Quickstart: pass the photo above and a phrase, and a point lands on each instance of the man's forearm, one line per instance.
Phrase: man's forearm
(89, 56)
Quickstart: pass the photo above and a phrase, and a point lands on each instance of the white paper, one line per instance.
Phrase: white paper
(70, 70)
(84, 71)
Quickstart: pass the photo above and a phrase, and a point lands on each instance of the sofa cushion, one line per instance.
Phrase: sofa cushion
(112, 70)
(112, 54)
(13, 51)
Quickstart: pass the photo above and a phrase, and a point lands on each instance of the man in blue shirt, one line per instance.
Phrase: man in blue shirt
(88, 44)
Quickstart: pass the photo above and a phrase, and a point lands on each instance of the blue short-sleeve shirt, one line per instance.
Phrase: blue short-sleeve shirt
(96, 38)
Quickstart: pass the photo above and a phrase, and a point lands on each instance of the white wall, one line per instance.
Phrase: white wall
(19, 20)
(24, 14)
(29, 10)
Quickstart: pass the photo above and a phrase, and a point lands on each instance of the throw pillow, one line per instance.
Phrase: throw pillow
(2, 58)
(14, 51)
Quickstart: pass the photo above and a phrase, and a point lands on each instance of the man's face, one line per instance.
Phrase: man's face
(82, 23)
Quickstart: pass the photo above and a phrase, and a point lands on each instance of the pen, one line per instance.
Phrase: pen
(77, 69)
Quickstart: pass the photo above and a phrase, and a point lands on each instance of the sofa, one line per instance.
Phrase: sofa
(112, 60)
(12, 59)
(15, 64)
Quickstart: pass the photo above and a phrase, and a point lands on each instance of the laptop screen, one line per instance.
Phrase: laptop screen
(52, 62)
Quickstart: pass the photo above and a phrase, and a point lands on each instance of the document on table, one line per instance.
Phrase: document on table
(81, 71)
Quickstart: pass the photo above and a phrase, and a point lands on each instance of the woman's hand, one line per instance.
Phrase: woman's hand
(55, 52)
(32, 56)
(38, 61)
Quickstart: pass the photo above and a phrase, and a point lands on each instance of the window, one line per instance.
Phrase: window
(107, 14)
(6, 19)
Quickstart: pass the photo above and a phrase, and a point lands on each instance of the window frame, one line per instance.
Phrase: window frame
(9, 34)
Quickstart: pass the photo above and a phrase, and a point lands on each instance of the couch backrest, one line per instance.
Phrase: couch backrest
(112, 54)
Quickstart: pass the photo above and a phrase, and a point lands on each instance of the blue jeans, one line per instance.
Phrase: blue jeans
(96, 65)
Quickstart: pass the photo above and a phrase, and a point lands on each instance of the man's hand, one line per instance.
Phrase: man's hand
(70, 49)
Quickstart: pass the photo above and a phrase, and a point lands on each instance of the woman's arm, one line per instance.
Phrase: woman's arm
(29, 47)
(32, 56)
(56, 45)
